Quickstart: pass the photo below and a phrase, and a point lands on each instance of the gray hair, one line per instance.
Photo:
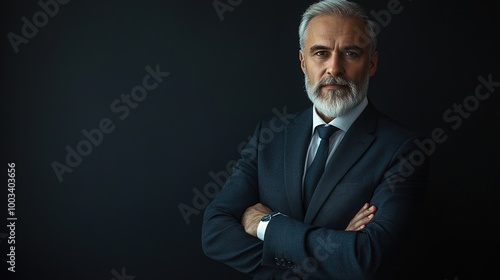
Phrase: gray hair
(341, 8)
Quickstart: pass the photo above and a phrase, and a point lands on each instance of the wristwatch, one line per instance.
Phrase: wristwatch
(268, 217)
(264, 221)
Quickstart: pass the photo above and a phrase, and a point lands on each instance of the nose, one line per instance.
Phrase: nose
(335, 65)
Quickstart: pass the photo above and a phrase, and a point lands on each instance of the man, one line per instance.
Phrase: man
(283, 214)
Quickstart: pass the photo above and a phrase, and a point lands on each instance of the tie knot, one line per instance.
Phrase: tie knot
(326, 131)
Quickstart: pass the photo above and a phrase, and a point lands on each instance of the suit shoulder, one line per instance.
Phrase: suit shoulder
(284, 117)
(394, 129)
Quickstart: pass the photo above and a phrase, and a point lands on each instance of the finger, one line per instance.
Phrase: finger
(360, 227)
(364, 207)
(363, 213)
(371, 210)
(363, 221)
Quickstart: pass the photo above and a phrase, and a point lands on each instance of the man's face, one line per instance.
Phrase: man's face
(336, 63)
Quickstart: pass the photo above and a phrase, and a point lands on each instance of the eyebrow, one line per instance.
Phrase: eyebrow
(352, 48)
(318, 47)
(346, 48)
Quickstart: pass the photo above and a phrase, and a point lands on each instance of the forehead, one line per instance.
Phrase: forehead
(330, 29)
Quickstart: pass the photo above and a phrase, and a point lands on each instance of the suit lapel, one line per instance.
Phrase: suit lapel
(355, 142)
(297, 138)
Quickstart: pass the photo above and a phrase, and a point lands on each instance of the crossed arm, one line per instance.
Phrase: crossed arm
(252, 215)
(364, 249)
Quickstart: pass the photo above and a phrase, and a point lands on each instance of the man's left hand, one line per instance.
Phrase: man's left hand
(251, 217)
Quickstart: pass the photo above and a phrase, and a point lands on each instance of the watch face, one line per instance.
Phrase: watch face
(266, 217)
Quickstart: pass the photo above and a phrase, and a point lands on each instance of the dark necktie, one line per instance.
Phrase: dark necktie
(315, 170)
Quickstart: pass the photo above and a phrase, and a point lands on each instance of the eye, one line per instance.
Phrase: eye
(321, 53)
(351, 54)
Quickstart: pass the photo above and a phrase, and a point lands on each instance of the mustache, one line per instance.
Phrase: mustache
(334, 81)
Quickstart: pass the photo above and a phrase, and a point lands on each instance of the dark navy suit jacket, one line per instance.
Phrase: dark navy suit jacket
(377, 161)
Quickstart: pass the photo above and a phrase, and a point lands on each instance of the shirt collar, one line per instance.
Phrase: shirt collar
(343, 122)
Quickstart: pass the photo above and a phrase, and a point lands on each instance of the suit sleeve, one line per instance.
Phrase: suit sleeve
(321, 253)
(294, 250)
(223, 237)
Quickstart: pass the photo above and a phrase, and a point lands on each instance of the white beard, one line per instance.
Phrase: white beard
(337, 102)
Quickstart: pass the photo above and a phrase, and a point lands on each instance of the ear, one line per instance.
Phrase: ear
(302, 61)
(372, 68)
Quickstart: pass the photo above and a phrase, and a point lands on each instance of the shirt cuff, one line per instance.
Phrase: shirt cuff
(261, 229)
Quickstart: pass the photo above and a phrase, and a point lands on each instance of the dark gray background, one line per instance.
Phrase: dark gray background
(119, 207)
